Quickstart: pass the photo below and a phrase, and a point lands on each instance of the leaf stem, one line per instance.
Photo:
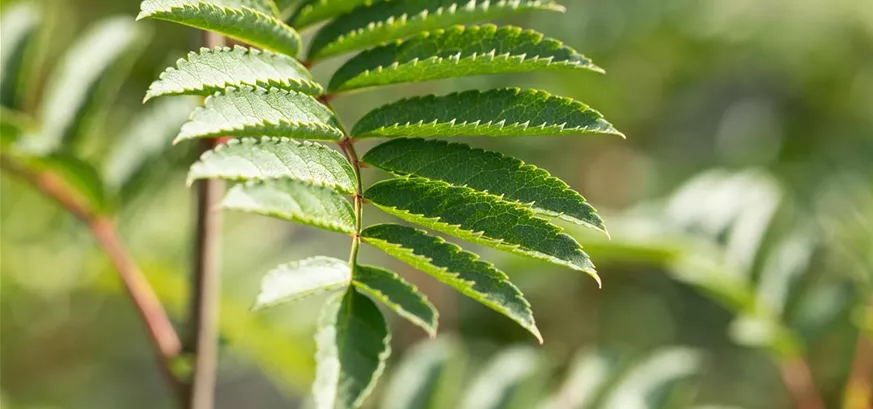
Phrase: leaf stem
(348, 147)
(202, 340)
(162, 335)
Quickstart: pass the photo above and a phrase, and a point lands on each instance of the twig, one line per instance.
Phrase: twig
(202, 341)
(800, 384)
(859, 386)
(162, 335)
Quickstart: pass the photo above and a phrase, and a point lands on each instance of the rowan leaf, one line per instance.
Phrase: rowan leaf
(248, 111)
(496, 385)
(353, 344)
(310, 12)
(213, 70)
(294, 201)
(371, 24)
(398, 294)
(480, 218)
(276, 158)
(498, 112)
(420, 376)
(244, 20)
(457, 51)
(300, 279)
(19, 27)
(148, 136)
(487, 171)
(87, 74)
(451, 265)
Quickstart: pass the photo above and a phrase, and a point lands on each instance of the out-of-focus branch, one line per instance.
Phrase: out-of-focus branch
(202, 338)
(162, 335)
(859, 386)
(798, 380)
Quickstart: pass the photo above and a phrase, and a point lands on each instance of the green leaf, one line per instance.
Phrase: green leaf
(147, 137)
(372, 24)
(479, 218)
(353, 344)
(416, 380)
(276, 158)
(234, 19)
(495, 386)
(249, 111)
(15, 124)
(301, 279)
(19, 27)
(639, 387)
(213, 70)
(457, 52)
(310, 12)
(293, 201)
(587, 379)
(499, 112)
(398, 294)
(88, 72)
(455, 267)
(461, 165)
(82, 178)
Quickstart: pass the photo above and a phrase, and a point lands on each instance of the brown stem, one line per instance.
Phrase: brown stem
(859, 386)
(202, 340)
(798, 380)
(162, 335)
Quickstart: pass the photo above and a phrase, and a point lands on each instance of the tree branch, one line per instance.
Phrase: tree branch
(160, 329)
(859, 386)
(798, 380)
(202, 340)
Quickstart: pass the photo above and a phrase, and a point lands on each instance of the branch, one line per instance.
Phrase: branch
(859, 386)
(798, 380)
(161, 333)
(202, 341)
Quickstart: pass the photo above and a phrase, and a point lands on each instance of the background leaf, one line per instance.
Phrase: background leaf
(19, 27)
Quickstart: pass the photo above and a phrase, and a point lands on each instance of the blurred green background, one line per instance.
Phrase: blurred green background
(740, 209)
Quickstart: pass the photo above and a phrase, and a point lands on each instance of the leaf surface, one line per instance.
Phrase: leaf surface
(300, 279)
(87, 74)
(496, 385)
(498, 112)
(147, 137)
(418, 377)
(457, 51)
(213, 70)
(510, 178)
(310, 12)
(234, 19)
(370, 25)
(276, 158)
(248, 111)
(398, 294)
(353, 344)
(479, 218)
(19, 27)
(294, 201)
(455, 267)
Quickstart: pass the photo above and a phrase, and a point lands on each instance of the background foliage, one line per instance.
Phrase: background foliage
(749, 156)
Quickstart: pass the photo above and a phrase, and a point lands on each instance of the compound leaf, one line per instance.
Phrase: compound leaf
(250, 111)
(457, 52)
(398, 294)
(276, 158)
(234, 19)
(310, 12)
(301, 279)
(294, 201)
(19, 28)
(480, 218)
(353, 344)
(455, 267)
(510, 178)
(87, 74)
(372, 24)
(499, 112)
(213, 70)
